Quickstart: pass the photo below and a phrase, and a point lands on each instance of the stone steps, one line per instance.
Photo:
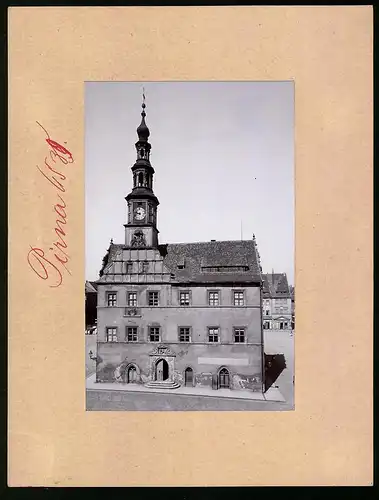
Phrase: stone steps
(162, 385)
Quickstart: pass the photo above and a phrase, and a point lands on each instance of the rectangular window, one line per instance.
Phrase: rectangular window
(153, 298)
(184, 298)
(145, 267)
(239, 298)
(213, 299)
(129, 267)
(154, 334)
(213, 334)
(267, 312)
(184, 334)
(239, 335)
(131, 334)
(112, 298)
(132, 299)
(112, 334)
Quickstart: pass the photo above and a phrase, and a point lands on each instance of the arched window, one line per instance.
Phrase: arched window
(142, 153)
(140, 179)
(223, 379)
(132, 374)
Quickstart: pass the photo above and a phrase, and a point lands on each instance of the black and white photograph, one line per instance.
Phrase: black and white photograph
(189, 246)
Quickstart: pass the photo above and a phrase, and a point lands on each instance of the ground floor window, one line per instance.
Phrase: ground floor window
(184, 334)
(213, 334)
(131, 334)
(239, 335)
(154, 334)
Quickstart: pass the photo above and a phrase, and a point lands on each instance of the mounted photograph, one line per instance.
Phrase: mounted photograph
(189, 246)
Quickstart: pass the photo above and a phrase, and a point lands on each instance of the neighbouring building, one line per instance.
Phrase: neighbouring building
(90, 305)
(292, 290)
(277, 302)
(177, 314)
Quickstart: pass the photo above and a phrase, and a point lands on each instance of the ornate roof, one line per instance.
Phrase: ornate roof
(202, 262)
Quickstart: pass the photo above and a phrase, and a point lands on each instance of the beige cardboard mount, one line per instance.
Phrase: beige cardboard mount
(327, 440)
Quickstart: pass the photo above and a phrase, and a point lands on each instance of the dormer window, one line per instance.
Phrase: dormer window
(224, 269)
(181, 264)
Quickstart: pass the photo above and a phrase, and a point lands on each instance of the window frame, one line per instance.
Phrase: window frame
(239, 291)
(215, 291)
(127, 328)
(189, 298)
(107, 329)
(149, 294)
(209, 328)
(108, 297)
(128, 294)
(189, 328)
(129, 267)
(159, 334)
(237, 329)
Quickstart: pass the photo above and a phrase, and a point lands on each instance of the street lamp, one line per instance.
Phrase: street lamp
(92, 356)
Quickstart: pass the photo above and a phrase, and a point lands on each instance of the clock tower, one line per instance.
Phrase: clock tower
(141, 228)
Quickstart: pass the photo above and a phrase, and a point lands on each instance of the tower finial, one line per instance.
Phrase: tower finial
(143, 102)
(143, 131)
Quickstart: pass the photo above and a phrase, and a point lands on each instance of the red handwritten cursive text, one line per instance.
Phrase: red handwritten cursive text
(50, 265)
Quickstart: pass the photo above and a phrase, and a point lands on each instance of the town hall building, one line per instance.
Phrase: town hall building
(170, 315)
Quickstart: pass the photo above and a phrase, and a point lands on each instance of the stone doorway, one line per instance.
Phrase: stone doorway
(188, 377)
(161, 370)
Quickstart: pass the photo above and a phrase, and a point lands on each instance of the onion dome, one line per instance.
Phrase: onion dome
(143, 131)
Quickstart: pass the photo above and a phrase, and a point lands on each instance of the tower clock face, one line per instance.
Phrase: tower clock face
(139, 213)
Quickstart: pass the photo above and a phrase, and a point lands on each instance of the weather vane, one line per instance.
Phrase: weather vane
(143, 97)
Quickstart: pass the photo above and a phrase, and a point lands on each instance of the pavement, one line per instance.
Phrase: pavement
(272, 394)
(283, 341)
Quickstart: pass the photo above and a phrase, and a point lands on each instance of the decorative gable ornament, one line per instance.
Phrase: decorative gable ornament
(138, 239)
(162, 350)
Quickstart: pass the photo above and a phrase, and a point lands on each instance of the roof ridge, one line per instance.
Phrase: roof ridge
(210, 241)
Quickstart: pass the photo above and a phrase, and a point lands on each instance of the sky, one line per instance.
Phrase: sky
(223, 155)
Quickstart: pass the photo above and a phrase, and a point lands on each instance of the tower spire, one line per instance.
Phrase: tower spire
(143, 131)
(141, 227)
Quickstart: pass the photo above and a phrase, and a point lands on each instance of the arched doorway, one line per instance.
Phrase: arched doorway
(223, 379)
(188, 377)
(132, 375)
(161, 370)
